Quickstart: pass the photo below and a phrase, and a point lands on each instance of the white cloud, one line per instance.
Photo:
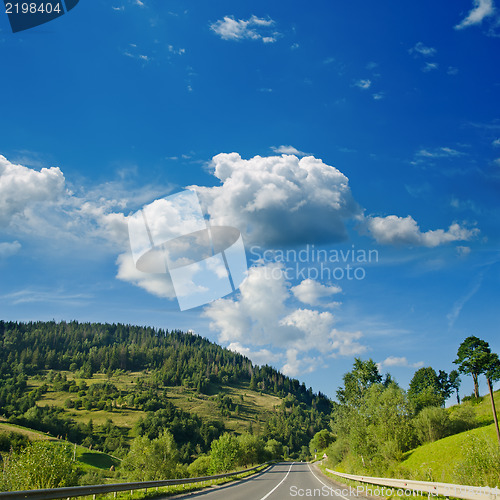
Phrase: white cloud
(178, 52)
(7, 249)
(22, 187)
(260, 315)
(288, 150)
(311, 292)
(31, 295)
(496, 143)
(40, 204)
(453, 315)
(429, 67)
(363, 84)
(463, 251)
(394, 230)
(481, 10)
(402, 361)
(452, 70)
(254, 28)
(440, 153)
(159, 285)
(378, 96)
(280, 199)
(260, 357)
(423, 50)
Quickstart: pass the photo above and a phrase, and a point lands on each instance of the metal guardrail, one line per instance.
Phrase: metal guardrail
(431, 489)
(80, 491)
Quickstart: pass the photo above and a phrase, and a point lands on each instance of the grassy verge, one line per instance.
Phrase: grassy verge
(375, 488)
(437, 461)
(177, 489)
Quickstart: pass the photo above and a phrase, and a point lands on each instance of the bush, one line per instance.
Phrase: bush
(337, 451)
(199, 467)
(225, 454)
(12, 440)
(150, 460)
(39, 465)
(481, 463)
(431, 424)
(463, 418)
(472, 399)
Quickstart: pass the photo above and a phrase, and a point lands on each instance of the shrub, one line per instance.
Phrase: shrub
(39, 465)
(431, 424)
(463, 418)
(481, 463)
(199, 467)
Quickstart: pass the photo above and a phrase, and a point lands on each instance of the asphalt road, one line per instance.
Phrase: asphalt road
(284, 480)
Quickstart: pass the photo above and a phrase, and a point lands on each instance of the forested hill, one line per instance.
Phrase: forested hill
(174, 357)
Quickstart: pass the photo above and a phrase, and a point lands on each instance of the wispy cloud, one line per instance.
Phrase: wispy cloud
(401, 361)
(430, 67)
(7, 249)
(363, 84)
(453, 315)
(288, 150)
(443, 152)
(254, 28)
(30, 295)
(481, 10)
(423, 50)
(178, 52)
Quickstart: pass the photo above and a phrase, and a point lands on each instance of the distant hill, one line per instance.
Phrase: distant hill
(101, 384)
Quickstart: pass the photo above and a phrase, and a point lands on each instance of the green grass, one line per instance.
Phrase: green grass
(179, 489)
(436, 461)
(484, 413)
(253, 405)
(31, 434)
(85, 458)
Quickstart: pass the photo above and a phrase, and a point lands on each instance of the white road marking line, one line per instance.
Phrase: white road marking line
(337, 494)
(279, 484)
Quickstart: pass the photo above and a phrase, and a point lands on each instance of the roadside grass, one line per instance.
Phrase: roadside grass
(436, 461)
(484, 414)
(176, 489)
(375, 488)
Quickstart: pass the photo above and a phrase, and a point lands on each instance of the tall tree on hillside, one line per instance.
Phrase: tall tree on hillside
(470, 359)
(455, 382)
(492, 373)
(363, 375)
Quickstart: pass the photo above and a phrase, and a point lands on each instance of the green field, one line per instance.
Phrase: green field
(252, 405)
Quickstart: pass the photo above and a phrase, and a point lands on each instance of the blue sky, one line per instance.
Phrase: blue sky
(359, 126)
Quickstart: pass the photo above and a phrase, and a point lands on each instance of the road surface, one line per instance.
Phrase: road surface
(285, 480)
